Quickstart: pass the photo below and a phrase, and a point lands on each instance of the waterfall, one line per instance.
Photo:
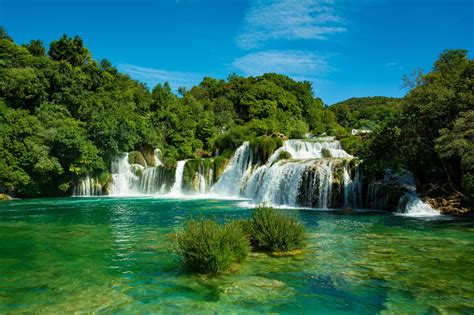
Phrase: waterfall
(148, 181)
(299, 149)
(178, 178)
(352, 188)
(234, 177)
(124, 181)
(202, 183)
(415, 207)
(305, 179)
(277, 184)
(88, 187)
(325, 184)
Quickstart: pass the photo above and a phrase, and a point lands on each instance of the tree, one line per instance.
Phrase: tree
(36, 48)
(69, 49)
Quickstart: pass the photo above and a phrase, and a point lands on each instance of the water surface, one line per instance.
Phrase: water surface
(118, 256)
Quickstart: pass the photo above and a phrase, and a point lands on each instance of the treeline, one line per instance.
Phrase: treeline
(64, 115)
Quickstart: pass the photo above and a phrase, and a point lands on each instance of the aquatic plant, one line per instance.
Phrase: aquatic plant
(273, 230)
(207, 247)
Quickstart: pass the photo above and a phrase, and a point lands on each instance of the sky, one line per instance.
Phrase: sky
(346, 48)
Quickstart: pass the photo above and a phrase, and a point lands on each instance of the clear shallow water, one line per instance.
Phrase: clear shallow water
(117, 256)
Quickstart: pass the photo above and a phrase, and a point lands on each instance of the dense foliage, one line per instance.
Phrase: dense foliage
(65, 115)
(207, 247)
(432, 135)
(365, 112)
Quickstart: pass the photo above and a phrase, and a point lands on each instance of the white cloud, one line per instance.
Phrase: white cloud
(153, 76)
(394, 65)
(288, 19)
(295, 63)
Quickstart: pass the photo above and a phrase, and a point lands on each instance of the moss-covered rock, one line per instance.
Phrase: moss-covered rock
(5, 197)
(326, 153)
(263, 147)
(284, 155)
(220, 164)
(137, 169)
(148, 154)
(104, 178)
(136, 157)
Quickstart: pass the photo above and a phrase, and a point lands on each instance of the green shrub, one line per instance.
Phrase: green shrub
(325, 153)
(275, 231)
(284, 155)
(207, 247)
(353, 145)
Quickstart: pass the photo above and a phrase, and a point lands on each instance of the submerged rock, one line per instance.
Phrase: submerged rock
(257, 290)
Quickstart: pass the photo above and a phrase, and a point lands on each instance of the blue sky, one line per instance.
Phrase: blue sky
(346, 48)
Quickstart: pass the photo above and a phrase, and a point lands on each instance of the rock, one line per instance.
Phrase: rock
(449, 205)
(136, 157)
(148, 154)
(5, 197)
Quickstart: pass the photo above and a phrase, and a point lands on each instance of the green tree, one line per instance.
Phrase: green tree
(69, 49)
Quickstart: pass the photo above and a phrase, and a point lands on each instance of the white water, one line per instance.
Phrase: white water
(352, 188)
(415, 207)
(282, 182)
(299, 149)
(124, 181)
(88, 187)
(325, 184)
(231, 181)
(178, 179)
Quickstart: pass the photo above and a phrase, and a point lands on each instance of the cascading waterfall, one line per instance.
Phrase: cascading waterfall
(316, 174)
(311, 149)
(88, 186)
(234, 177)
(325, 184)
(124, 181)
(306, 179)
(150, 181)
(352, 188)
(178, 179)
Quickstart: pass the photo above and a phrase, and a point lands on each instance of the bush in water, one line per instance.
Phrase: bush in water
(275, 231)
(207, 247)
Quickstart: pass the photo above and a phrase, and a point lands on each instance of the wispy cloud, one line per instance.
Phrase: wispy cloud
(153, 76)
(394, 65)
(295, 63)
(288, 19)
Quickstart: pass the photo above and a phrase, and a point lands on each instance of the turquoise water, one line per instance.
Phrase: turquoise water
(118, 256)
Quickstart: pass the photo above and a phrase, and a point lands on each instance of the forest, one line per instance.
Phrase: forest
(64, 115)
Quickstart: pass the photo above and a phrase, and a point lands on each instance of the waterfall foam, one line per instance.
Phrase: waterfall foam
(415, 207)
(124, 181)
(178, 179)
